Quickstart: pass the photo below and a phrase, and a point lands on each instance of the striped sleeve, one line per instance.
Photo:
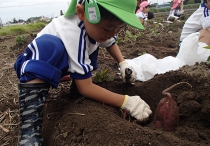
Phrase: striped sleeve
(205, 22)
(108, 43)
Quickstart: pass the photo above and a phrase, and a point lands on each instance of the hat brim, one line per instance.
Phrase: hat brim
(72, 8)
(127, 17)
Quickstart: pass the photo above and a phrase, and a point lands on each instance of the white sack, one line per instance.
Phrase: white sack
(168, 63)
(191, 51)
(146, 66)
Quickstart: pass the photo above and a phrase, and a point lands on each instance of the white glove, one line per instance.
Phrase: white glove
(127, 72)
(137, 107)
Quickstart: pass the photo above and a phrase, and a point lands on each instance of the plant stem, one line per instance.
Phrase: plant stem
(165, 92)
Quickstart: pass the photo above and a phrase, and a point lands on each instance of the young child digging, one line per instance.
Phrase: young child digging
(149, 15)
(176, 9)
(142, 12)
(69, 45)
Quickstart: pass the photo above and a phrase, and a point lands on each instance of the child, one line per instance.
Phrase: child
(69, 45)
(177, 9)
(200, 19)
(142, 12)
(149, 15)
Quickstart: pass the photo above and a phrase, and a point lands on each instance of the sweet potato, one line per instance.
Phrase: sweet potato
(167, 112)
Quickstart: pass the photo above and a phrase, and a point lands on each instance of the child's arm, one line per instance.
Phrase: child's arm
(204, 35)
(208, 29)
(93, 91)
(137, 107)
(141, 20)
(115, 52)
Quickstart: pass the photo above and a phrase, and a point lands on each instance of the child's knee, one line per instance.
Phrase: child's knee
(51, 48)
(45, 58)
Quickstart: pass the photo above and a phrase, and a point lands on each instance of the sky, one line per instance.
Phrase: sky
(24, 9)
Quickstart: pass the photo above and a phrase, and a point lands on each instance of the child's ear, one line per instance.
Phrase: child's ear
(80, 12)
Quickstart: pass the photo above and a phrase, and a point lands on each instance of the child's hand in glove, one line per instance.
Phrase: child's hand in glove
(128, 73)
(137, 107)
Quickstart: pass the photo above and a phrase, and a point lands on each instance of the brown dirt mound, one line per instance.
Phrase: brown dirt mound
(81, 121)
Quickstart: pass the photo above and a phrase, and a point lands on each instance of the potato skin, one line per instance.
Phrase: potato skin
(167, 114)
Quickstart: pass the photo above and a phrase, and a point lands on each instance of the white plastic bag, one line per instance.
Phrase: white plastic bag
(168, 63)
(146, 66)
(191, 51)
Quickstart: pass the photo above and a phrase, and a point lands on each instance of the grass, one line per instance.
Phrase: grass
(21, 29)
(189, 6)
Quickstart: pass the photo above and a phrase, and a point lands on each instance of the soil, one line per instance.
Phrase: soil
(73, 120)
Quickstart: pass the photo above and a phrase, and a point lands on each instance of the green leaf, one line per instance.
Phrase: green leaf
(128, 33)
(102, 76)
(207, 47)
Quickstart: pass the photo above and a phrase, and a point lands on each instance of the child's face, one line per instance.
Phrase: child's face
(101, 31)
(146, 9)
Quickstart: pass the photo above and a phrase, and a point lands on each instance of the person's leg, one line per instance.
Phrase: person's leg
(31, 101)
(42, 64)
(177, 12)
(182, 7)
(171, 14)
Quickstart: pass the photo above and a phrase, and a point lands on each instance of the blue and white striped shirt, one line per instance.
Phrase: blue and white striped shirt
(82, 49)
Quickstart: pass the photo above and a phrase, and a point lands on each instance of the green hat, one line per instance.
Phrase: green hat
(123, 9)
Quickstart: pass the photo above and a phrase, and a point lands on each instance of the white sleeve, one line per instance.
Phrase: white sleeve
(205, 19)
(205, 22)
(140, 15)
(108, 43)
